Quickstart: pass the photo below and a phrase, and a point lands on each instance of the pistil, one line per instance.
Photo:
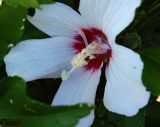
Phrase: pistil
(81, 33)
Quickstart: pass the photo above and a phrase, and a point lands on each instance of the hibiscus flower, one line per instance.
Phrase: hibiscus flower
(79, 46)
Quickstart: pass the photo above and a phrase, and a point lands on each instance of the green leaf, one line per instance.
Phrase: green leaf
(57, 117)
(153, 115)
(132, 40)
(150, 17)
(28, 3)
(151, 72)
(122, 121)
(104, 118)
(136, 121)
(102, 123)
(45, 1)
(11, 23)
(24, 3)
(15, 105)
(11, 27)
(3, 50)
(101, 117)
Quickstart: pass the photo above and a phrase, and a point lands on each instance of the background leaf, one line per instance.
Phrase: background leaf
(132, 40)
(104, 118)
(11, 27)
(46, 1)
(151, 77)
(32, 113)
(24, 3)
(153, 115)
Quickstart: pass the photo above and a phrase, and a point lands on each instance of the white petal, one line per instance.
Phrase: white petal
(57, 19)
(86, 121)
(112, 16)
(41, 58)
(79, 88)
(125, 93)
(88, 11)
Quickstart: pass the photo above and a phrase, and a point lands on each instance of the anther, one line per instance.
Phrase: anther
(80, 59)
(65, 74)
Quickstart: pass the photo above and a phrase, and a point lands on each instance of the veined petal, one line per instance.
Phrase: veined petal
(125, 93)
(79, 88)
(119, 14)
(112, 16)
(88, 10)
(39, 58)
(57, 19)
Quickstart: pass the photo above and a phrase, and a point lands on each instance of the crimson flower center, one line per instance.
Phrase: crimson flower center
(100, 47)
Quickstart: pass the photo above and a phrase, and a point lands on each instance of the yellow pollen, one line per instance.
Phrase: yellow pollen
(79, 60)
(65, 75)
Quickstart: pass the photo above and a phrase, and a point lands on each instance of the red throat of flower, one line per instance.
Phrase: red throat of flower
(102, 52)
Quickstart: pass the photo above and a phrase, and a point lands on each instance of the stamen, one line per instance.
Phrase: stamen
(65, 74)
(80, 59)
(81, 33)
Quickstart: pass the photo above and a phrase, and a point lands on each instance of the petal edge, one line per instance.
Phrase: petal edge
(125, 93)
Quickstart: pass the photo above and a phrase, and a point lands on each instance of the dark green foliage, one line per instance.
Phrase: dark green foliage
(15, 105)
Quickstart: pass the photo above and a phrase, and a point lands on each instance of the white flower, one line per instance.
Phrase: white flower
(93, 31)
